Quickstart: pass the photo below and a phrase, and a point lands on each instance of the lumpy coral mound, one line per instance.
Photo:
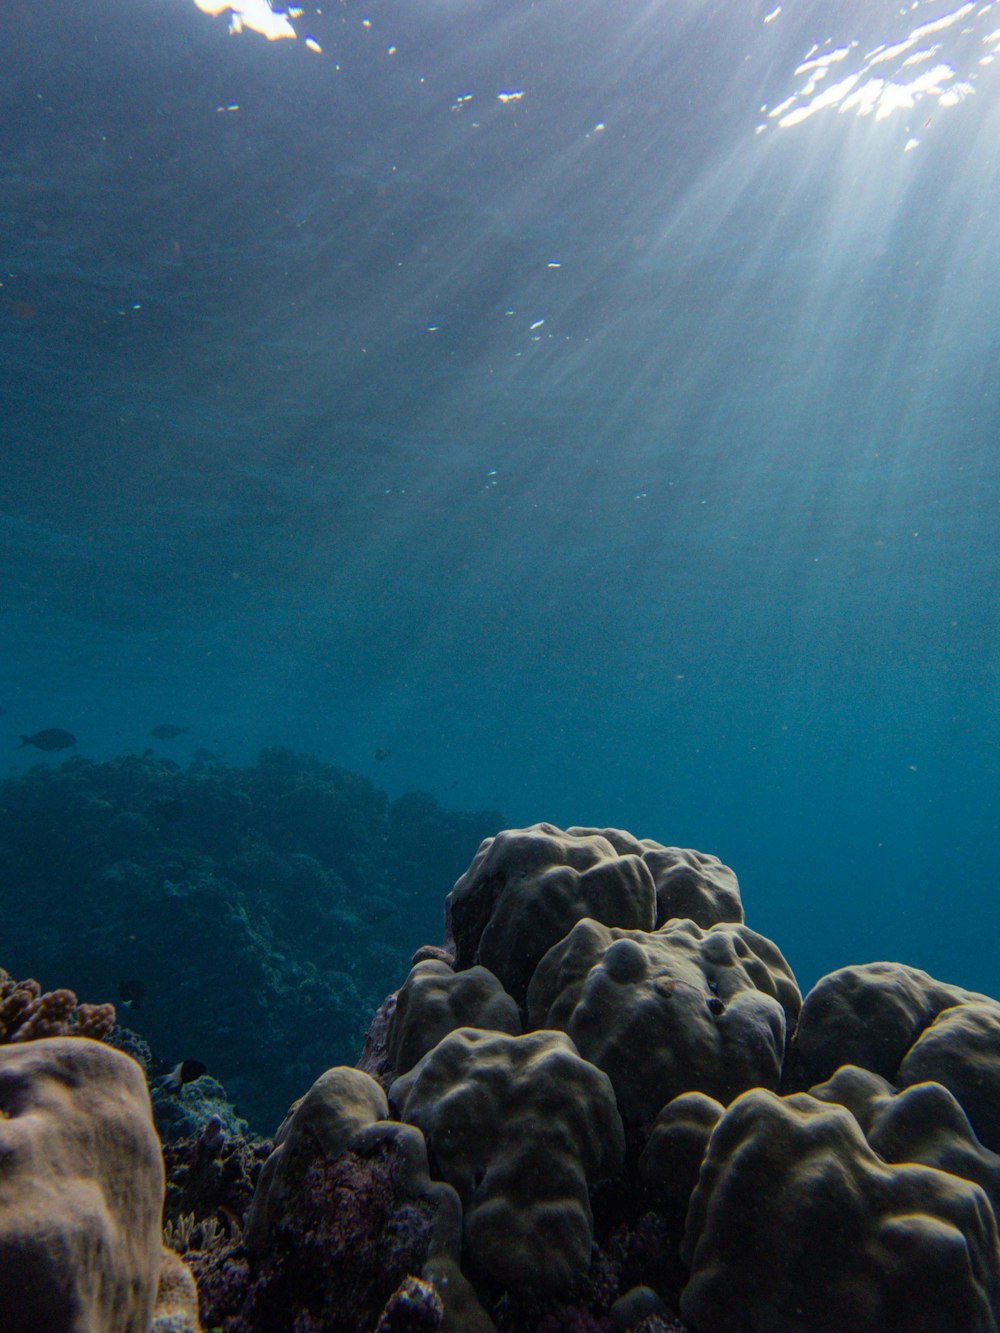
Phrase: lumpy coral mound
(742, 1200)
(81, 1194)
(602, 1105)
(523, 1128)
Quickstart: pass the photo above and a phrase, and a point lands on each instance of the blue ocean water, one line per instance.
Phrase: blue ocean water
(594, 406)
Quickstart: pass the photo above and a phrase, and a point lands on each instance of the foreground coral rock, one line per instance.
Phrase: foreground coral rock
(527, 888)
(81, 1190)
(796, 1223)
(600, 1106)
(709, 1010)
(523, 1129)
(609, 1069)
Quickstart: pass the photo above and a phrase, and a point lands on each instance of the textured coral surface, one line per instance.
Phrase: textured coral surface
(81, 1190)
(523, 1129)
(601, 1106)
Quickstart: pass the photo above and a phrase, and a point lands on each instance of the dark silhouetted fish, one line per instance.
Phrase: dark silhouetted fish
(52, 738)
(166, 731)
(132, 993)
(186, 1072)
(381, 755)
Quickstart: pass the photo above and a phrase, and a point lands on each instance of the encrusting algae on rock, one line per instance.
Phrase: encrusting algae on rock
(602, 1105)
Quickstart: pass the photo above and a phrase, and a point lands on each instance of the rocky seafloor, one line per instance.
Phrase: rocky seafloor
(599, 1104)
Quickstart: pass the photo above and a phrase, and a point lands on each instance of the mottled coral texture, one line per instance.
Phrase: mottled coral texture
(81, 1190)
(602, 1106)
(676, 1010)
(796, 1223)
(28, 1013)
(523, 1129)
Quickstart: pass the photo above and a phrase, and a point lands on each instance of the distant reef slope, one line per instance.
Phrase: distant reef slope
(250, 918)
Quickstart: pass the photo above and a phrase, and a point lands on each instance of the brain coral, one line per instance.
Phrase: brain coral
(922, 1123)
(434, 1001)
(677, 1010)
(796, 1224)
(522, 1128)
(689, 884)
(961, 1049)
(525, 890)
(868, 1015)
(902, 1024)
(81, 1190)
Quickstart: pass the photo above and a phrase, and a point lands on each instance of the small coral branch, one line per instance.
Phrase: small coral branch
(185, 1235)
(27, 1013)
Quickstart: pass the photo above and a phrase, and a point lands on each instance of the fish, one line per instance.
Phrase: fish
(132, 993)
(52, 738)
(381, 754)
(186, 1072)
(166, 731)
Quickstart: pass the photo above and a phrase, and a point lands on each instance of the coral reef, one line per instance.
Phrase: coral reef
(184, 1112)
(899, 1022)
(868, 1015)
(435, 1000)
(347, 1232)
(797, 1223)
(323, 1122)
(527, 888)
(672, 1156)
(28, 1013)
(728, 1204)
(81, 1192)
(211, 1179)
(708, 1009)
(601, 1106)
(265, 910)
(524, 1130)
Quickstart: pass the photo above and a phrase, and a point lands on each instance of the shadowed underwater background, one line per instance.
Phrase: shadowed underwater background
(583, 412)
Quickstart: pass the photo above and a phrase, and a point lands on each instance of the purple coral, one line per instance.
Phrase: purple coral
(340, 1257)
